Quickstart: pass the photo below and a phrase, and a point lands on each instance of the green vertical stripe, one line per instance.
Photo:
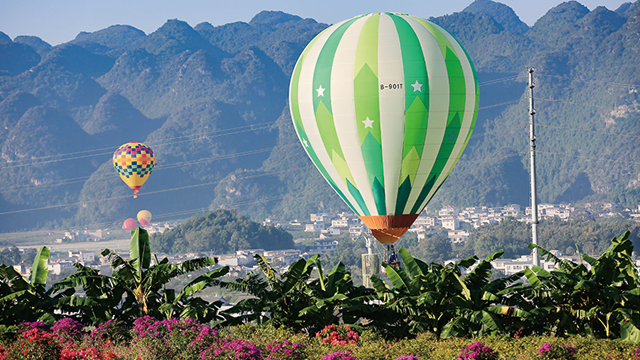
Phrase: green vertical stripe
(321, 94)
(297, 118)
(367, 106)
(318, 163)
(457, 98)
(295, 82)
(416, 89)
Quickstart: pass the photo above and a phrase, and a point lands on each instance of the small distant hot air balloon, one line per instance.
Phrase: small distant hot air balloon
(144, 217)
(130, 224)
(384, 105)
(134, 162)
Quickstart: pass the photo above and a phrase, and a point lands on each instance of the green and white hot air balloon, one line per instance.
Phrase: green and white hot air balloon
(384, 105)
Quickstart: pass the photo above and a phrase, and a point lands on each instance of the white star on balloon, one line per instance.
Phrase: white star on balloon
(304, 141)
(320, 91)
(417, 86)
(368, 123)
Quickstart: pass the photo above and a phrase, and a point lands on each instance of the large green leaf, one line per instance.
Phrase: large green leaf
(397, 280)
(40, 268)
(201, 282)
(410, 263)
(140, 250)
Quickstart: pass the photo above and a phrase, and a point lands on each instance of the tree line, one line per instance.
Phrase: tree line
(597, 297)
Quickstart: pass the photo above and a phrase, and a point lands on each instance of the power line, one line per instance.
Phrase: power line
(590, 81)
(147, 193)
(588, 131)
(87, 153)
(585, 157)
(584, 104)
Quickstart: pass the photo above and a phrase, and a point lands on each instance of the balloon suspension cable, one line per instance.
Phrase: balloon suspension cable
(368, 241)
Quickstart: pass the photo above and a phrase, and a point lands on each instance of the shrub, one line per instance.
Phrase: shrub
(67, 329)
(232, 349)
(407, 357)
(35, 344)
(338, 335)
(476, 351)
(114, 330)
(285, 350)
(339, 355)
(552, 352)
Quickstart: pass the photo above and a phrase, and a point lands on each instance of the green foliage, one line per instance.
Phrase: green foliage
(221, 231)
(512, 236)
(295, 302)
(138, 287)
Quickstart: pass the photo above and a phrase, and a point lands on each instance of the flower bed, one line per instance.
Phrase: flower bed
(187, 339)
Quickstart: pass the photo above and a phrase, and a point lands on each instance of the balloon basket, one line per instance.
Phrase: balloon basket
(391, 257)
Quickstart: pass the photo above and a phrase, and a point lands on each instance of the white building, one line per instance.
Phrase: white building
(331, 231)
(449, 211)
(316, 226)
(426, 221)
(512, 266)
(325, 245)
(58, 266)
(82, 255)
(320, 217)
(355, 230)
(450, 223)
(340, 223)
(458, 236)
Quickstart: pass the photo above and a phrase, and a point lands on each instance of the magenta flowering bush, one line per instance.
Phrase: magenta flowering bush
(285, 350)
(167, 338)
(67, 329)
(408, 357)
(339, 355)
(476, 351)
(232, 349)
(561, 352)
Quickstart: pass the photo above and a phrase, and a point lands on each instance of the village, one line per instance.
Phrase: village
(323, 232)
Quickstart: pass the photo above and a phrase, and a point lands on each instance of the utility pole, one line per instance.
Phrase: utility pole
(370, 261)
(532, 150)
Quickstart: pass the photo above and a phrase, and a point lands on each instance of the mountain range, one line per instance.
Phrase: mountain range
(211, 101)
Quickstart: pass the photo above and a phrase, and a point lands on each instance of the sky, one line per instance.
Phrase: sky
(59, 21)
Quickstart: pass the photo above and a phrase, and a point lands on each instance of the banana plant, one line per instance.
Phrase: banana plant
(600, 301)
(276, 300)
(334, 299)
(420, 298)
(137, 288)
(26, 299)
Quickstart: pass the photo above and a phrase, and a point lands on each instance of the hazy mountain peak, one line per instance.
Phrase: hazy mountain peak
(565, 13)
(41, 46)
(176, 36)
(602, 20)
(502, 13)
(622, 9)
(4, 38)
(272, 18)
(115, 36)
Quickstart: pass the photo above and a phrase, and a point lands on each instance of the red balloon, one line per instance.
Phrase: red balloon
(130, 224)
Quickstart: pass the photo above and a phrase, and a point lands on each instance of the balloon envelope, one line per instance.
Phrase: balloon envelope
(144, 217)
(134, 161)
(130, 224)
(384, 105)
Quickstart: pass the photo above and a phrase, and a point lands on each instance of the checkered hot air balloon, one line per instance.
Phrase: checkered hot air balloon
(134, 161)
(384, 105)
